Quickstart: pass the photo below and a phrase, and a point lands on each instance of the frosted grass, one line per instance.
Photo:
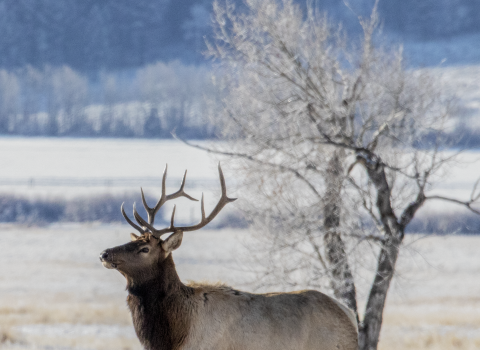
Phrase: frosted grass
(77, 330)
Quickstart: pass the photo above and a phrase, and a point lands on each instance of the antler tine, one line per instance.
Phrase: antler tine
(202, 208)
(181, 192)
(140, 220)
(173, 217)
(172, 228)
(151, 212)
(142, 231)
(222, 182)
(145, 205)
(224, 200)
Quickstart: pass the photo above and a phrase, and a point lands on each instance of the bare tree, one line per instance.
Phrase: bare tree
(173, 94)
(338, 143)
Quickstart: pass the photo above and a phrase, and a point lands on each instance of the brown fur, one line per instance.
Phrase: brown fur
(159, 312)
(169, 315)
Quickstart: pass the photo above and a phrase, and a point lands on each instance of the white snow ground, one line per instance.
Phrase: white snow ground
(67, 167)
(55, 294)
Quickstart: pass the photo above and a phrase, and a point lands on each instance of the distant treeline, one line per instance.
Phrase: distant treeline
(149, 102)
(104, 208)
(120, 34)
(463, 222)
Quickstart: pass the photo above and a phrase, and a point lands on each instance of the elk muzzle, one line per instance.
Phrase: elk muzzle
(106, 257)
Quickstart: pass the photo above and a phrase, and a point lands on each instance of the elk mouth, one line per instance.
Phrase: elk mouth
(109, 264)
(105, 258)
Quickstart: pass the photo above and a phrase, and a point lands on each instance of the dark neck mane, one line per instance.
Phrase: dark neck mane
(158, 308)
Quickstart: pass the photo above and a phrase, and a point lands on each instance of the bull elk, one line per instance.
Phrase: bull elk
(168, 314)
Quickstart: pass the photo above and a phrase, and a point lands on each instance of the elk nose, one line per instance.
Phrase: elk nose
(103, 255)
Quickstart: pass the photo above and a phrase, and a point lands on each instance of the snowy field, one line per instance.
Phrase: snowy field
(69, 167)
(40, 157)
(55, 294)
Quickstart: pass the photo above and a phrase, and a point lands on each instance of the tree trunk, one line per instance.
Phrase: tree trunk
(341, 277)
(369, 329)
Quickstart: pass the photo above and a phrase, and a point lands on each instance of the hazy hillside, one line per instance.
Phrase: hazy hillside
(90, 35)
(118, 34)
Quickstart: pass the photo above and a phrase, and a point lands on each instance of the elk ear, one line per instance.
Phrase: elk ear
(133, 237)
(173, 242)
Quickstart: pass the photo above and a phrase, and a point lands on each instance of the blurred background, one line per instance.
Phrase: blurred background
(90, 92)
(75, 71)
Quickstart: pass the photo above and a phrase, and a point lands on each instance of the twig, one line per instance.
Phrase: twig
(249, 157)
(453, 200)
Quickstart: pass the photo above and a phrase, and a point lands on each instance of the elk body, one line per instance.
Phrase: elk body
(169, 315)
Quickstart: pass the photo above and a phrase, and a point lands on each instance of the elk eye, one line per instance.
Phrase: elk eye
(144, 250)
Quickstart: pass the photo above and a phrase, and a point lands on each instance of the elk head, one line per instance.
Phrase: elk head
(141, 258)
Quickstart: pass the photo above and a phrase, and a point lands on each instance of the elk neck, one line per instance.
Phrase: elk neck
(159, 308)
(163, 278)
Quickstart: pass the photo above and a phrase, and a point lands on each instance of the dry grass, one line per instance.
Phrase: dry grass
(12, 318)
(431, 341)
(83, 313)
(8, 336)
(452, 324)
(83, 342)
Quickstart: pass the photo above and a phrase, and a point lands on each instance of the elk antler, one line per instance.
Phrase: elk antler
(151, 212)
(139, 229)
(224, 200)
(180, 193)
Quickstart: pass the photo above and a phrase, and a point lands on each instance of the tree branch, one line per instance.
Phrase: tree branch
(467, 204)
(371, 237)
(364, 194)
(250, 158)
(412, 208)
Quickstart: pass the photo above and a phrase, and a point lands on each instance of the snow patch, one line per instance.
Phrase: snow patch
(76, 330)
